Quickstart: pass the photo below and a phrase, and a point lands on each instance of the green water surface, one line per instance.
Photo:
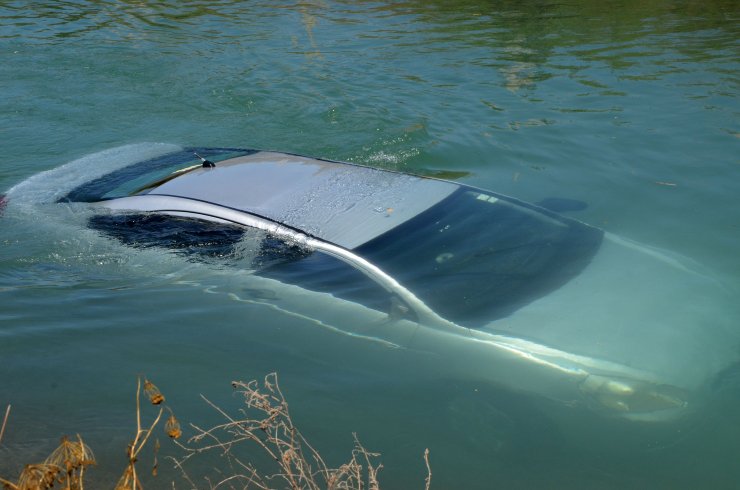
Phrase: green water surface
(631, 107)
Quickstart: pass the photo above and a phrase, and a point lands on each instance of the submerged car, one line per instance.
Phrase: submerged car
(496, 288)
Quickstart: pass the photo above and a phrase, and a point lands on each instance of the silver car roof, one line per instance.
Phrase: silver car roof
(343, 204)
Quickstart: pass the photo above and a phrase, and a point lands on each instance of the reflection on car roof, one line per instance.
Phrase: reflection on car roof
(343, 204)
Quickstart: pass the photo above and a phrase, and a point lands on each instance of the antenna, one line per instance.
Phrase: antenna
(206, 163)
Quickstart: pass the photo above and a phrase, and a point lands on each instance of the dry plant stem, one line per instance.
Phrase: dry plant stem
(372, 472)
(247, 434)
(5, 421)
(266, 420)
(132, 450)
(428, 480)
(178, 465)
(141, 438)
(8, 484)
(82, 467)
(296, 443)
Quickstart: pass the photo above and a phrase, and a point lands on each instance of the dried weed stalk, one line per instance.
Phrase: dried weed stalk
(266, 421)
(65, 466)
(130, 479)
(5, 421)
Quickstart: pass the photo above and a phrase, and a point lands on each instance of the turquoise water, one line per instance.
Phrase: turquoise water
(630, 107)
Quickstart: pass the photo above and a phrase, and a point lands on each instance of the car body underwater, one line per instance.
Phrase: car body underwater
(495, 288)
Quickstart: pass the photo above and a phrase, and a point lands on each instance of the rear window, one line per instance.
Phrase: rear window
(198, 238)
(137, 177)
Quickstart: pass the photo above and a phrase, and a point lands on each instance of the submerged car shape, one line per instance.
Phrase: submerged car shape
(498, 289)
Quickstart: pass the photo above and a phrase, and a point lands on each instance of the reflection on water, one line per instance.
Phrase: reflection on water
(630, 107)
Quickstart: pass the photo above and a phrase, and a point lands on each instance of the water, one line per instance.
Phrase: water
(628, 106)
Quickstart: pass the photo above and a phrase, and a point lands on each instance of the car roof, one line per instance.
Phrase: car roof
(343, 204)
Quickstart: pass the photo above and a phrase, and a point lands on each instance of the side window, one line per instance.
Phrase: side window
(324, 273)
(192, 237)
(199, 239)
(393, 321)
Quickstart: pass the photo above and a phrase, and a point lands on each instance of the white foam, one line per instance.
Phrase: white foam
(47, 231)
(47, 187)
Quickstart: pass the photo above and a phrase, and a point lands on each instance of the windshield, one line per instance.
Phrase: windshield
(472, 258)
(475, 257)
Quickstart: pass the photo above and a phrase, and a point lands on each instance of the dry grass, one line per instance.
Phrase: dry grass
(64, 466)
(5, 422)
(264, 422)
(130, 478)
